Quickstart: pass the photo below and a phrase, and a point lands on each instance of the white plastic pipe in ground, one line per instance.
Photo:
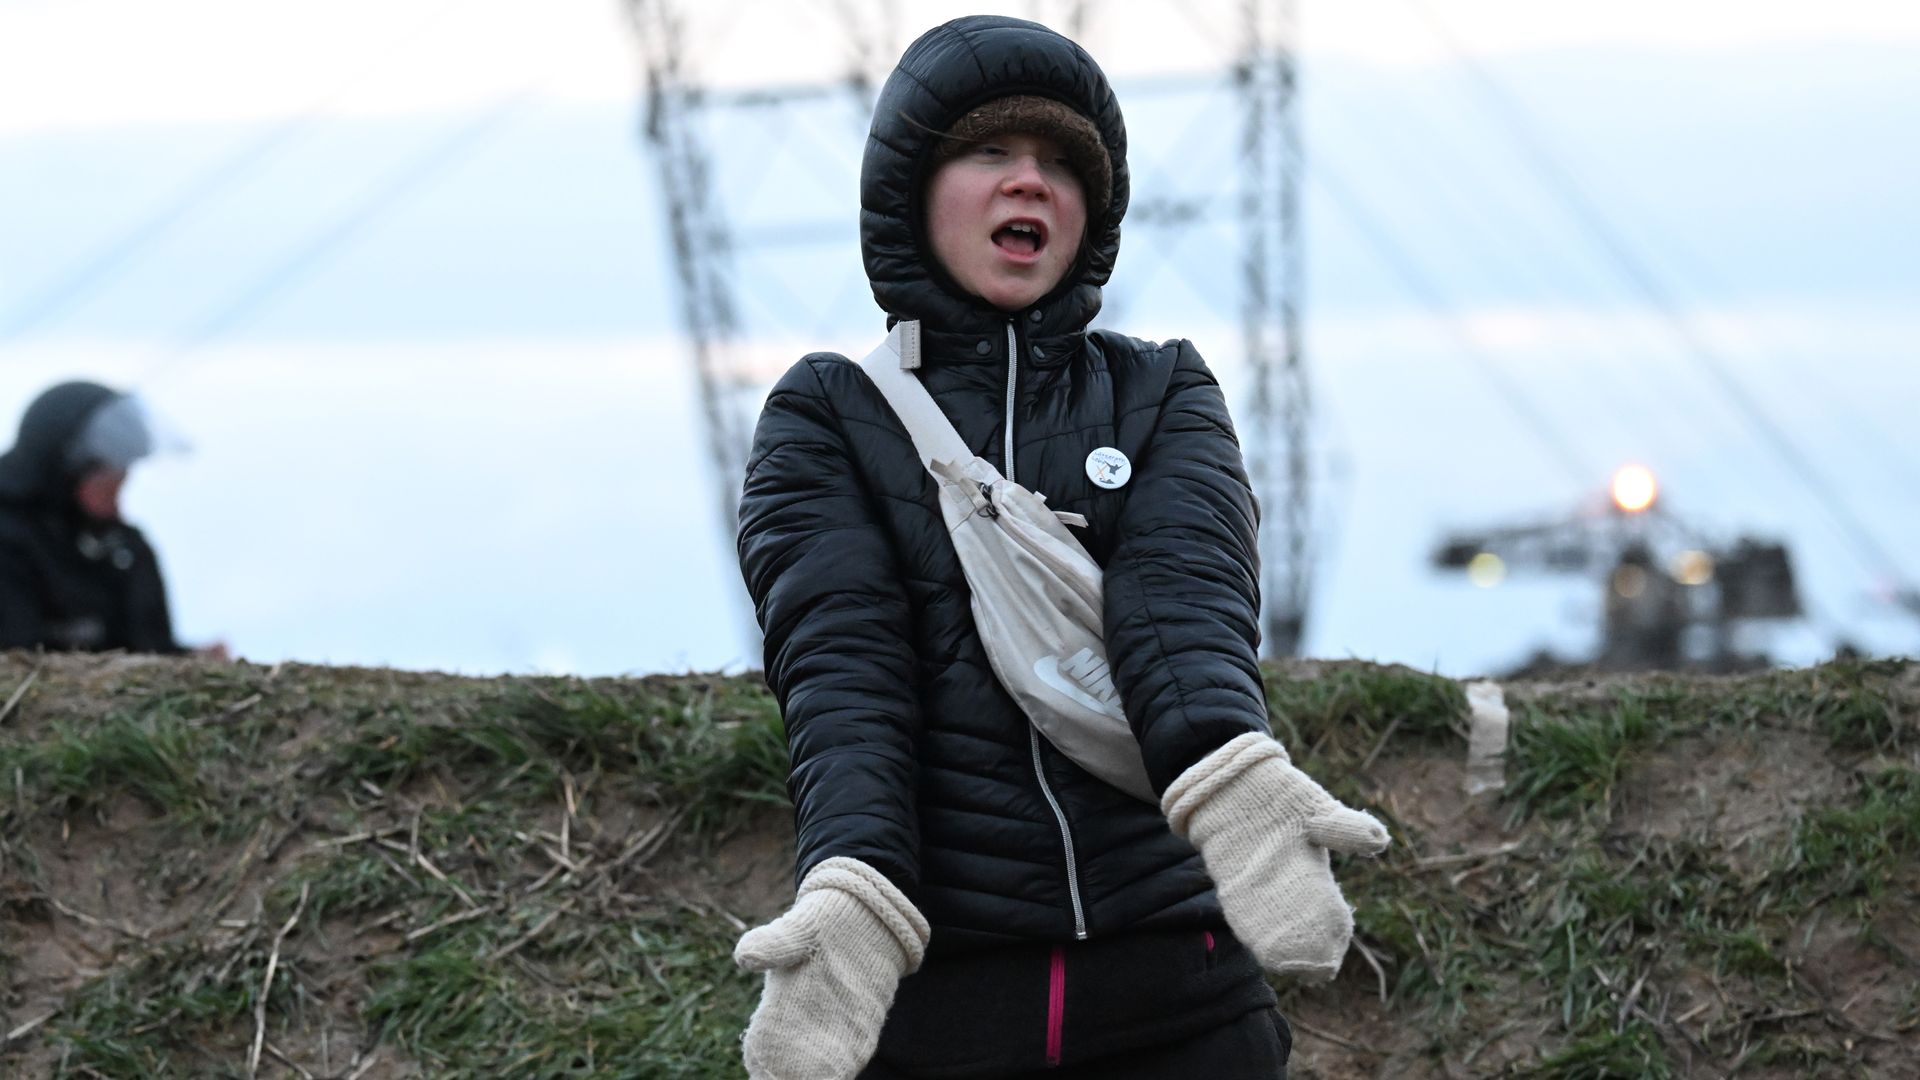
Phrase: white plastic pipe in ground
(1486, 738)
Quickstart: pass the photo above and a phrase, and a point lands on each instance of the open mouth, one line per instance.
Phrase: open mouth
(1022, 236)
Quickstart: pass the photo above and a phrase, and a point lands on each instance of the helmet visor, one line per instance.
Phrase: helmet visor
(119, 433)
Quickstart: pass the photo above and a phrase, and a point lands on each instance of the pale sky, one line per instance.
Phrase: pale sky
(397, 269)
(67, 64)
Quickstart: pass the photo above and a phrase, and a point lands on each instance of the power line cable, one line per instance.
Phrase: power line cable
(1452, 205)
(1870, 433)
(1175, 216)
(1422, 288)
(100, 266)
(415, 175)
(1529, 238)
(1671, 398)
(1512, 395)
(109, 258)
(1600, 230)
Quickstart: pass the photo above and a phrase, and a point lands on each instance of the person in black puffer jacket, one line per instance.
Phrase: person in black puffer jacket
(971, 902)
(73, 575)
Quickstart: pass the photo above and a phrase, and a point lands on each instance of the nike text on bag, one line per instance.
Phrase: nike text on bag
(1036, 591)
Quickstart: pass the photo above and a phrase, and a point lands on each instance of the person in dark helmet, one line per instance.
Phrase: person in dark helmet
(972, 902)
(74, 576)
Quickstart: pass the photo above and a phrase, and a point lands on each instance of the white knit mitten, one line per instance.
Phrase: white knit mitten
(833, 962)
(1264, 829)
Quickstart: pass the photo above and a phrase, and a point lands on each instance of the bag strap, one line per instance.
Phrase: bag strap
(891, 368)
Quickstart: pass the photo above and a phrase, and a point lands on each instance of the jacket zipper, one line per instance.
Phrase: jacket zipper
(1066, 838)
(1013, 373)
(1033, 734)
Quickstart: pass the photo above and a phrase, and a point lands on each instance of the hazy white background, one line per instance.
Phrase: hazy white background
(397, 269)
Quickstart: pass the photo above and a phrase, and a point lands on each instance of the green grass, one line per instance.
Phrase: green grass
(350, 882)
(666, 1001)
(1586, 913)
(1856, 708)
(614, 969)
(156, 1017)
(1334, 721)
(1444, 961)
(1743, 952)
(1561, 765)
(715, 748)
(1856, 704)
(156, 758)
(567, 976)
(1634, 1052)
(1851, 850)
(1801, 1053)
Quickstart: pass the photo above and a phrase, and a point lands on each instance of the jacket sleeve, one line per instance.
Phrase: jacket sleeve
(833, 607)
(1183, 583)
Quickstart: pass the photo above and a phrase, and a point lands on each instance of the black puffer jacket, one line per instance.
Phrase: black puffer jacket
(906, 752)
(68, 582)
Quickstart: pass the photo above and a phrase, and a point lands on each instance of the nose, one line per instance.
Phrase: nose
(1025, 177)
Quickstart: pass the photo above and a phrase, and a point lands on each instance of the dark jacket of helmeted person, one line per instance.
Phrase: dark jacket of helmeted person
(907, 753)
(70, 581)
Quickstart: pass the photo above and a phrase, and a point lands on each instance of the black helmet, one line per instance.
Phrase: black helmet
(69, 429)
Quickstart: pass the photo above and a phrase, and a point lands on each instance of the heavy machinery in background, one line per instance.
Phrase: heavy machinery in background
(1671, 599)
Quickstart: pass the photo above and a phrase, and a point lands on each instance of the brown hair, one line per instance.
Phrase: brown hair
(1030, 114)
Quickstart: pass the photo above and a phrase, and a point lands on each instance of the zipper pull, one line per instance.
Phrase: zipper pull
(983, 502)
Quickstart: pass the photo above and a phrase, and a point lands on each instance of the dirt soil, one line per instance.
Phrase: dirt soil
(113, 883)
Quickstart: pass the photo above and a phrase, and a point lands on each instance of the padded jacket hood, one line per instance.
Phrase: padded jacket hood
(941, 77)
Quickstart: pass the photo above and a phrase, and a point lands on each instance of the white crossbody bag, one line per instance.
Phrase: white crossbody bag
(1036, 591)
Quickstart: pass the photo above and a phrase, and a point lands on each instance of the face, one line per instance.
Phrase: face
(1005, 219)
(98, 493)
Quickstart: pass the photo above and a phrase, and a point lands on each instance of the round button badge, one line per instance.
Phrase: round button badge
(1109, 468)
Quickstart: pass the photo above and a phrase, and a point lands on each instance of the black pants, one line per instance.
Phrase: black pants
(1254, 1047)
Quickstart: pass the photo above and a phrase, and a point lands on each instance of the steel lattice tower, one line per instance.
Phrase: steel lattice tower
(1278, 447)
(702, 245)
(1267, 218)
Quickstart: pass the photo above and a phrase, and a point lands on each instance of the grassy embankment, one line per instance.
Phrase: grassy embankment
(229, 870)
